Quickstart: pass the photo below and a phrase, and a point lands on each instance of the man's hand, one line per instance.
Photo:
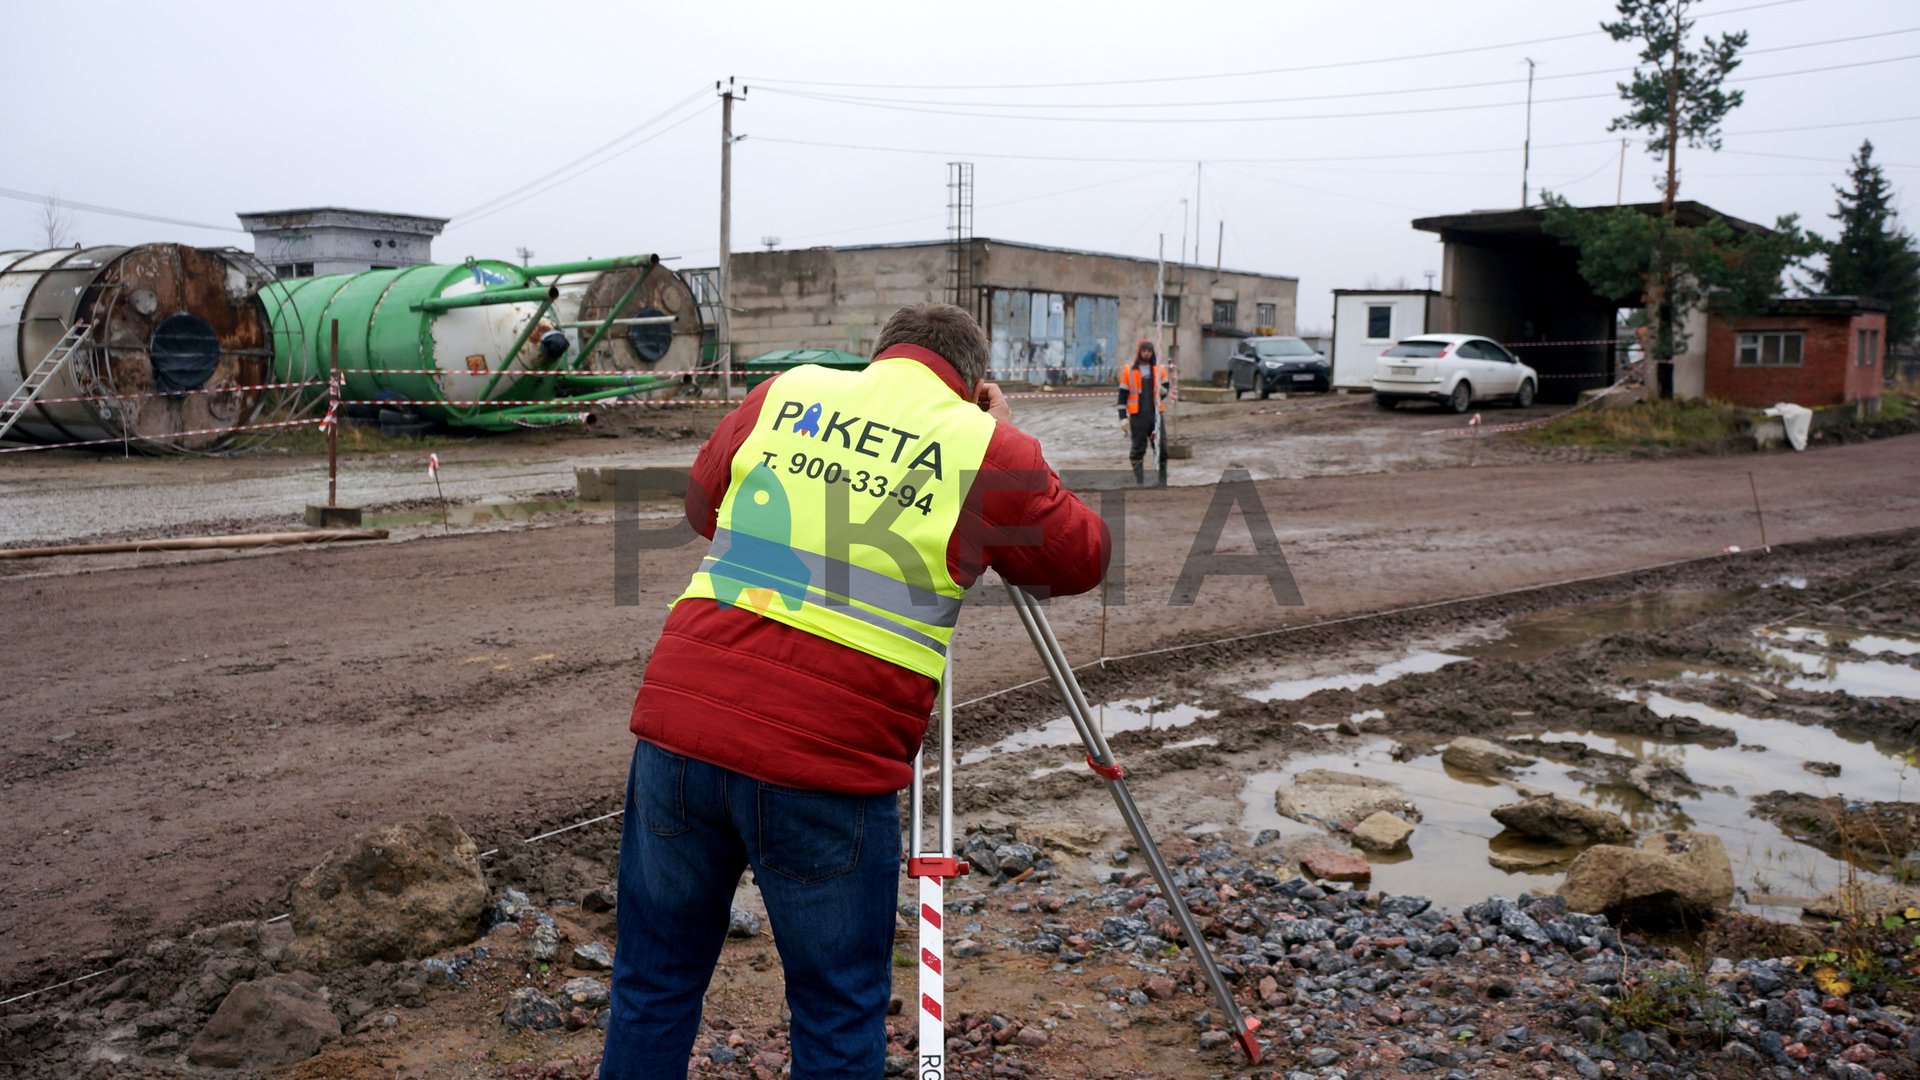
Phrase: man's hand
(993, 401)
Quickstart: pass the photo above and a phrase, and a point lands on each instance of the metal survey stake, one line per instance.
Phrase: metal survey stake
(1100, 759)
(934, 867)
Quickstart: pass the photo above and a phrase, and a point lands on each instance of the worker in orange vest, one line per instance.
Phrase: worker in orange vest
(1141, 409)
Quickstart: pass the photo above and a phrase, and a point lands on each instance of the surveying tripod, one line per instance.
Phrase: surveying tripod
(935, 867)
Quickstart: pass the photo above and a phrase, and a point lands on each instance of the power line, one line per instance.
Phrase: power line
(696, 114)
(1456, 51)
(615, 141)
(881, 104)
(1614, 71)
(111, 211)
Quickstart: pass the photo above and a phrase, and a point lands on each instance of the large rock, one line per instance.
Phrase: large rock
(1333, 866)
(1481, 757)
(1381, 832)
(1868, 901)
(265, 1023)
(1562, 821)
(395, 894)
(1338, 799)
(1671, 878)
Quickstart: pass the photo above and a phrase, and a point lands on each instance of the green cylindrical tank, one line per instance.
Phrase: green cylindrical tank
(440, 337)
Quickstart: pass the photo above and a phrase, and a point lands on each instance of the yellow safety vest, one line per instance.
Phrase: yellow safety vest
(842, 503)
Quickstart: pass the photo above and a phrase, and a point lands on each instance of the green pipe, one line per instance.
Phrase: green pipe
(437, 304)
(621, 262)
(630, 382)
(507, 358)
(507, 421)
(606, 324)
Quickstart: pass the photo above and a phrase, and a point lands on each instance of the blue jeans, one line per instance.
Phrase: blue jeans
(828, 866)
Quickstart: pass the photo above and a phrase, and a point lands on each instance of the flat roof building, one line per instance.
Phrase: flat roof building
(336, 240)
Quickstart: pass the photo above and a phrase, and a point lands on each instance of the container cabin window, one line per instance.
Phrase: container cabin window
(1225, 312)
(1869, 351)
(1265, 314)
(1379, 322)
(1780, 349)
(1169, 310)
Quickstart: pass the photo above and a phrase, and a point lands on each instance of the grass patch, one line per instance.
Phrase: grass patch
(1678, 1002)
(357, 439)
(1896, 406)
(1645, 425)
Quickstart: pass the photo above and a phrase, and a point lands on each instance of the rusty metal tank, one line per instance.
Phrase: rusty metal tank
(637, 298)
(177, 344)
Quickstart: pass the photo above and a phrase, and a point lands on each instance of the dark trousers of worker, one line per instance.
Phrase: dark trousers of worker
(828, 867)
(1140, 426)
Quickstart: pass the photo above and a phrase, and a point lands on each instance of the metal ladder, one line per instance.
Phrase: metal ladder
(42, 374)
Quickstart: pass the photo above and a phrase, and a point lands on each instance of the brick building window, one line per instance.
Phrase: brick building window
(1869, 351)
(1266, 314)
(1225, 312)
(1169, 310)
(1773, 349)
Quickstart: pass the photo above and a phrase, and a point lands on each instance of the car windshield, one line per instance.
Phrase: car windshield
(1285, 346)
(1418, 348)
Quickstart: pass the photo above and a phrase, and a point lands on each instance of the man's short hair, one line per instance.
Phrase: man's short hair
(943, 329)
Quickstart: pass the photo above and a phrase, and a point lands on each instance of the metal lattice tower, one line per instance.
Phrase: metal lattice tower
(960, 234)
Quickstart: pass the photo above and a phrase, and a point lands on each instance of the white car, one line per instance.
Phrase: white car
(1455, 370)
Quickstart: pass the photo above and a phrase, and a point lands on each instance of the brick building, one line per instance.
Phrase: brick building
(1814, 351)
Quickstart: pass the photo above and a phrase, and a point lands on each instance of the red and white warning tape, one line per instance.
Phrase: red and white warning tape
(158, 437)
(134, 394)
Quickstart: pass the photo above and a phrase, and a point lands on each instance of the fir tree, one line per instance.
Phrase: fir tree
(1873, 256)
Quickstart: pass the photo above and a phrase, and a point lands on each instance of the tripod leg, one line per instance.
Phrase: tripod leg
(1100, 759)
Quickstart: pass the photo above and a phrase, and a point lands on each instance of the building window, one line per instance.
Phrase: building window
(1225, 312)
(1169, 310)
(1266, 315)
(1379, 322)
(1778, 349)
(283, 270)
(1869, 353)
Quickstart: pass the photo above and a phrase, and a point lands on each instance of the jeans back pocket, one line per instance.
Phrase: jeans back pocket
(661, 783)
(809, 836)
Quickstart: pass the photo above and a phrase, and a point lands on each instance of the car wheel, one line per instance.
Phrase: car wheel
(1525, 397)
(1462, 397)
(1266, 389)
(1384, 401)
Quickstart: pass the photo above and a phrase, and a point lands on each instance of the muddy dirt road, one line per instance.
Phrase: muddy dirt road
(186, 736)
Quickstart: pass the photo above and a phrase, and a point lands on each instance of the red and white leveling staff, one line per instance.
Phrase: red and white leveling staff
(934, 868)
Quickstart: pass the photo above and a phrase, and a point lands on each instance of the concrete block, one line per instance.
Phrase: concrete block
(1205, 395)
(333, 517)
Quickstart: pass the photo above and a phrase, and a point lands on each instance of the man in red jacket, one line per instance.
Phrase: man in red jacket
(791, 686)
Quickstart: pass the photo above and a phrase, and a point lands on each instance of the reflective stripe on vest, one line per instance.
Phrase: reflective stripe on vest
(1130, 378)
(841, 506)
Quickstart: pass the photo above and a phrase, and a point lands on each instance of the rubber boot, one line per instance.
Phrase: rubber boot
(1139, 475)
(1163, 475)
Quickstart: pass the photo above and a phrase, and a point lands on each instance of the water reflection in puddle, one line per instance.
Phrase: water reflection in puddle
(1417, 663)
(1113, 717)
(1450, 846)
(1824, 672)
(1540, 633)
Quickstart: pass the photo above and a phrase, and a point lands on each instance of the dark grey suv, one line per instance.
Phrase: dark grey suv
(1268, 365)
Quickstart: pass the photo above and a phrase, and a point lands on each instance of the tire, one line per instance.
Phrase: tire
(1385, 402)
(1525, 397)
(1266, 391)
(1462, 397)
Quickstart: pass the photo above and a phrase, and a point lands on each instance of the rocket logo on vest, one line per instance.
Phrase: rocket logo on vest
(760, 563)
(868, 438)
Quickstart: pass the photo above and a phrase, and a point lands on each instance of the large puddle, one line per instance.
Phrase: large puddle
(1448, 856)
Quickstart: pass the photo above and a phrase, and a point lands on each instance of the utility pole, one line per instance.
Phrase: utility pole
(723, 334)
(1198, 167)
(1620, 180)
(1526, 146)
(525, 253)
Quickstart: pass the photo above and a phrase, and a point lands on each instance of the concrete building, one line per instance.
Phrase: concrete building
(335, 240)
(1503, 276)
(1367, 321)
(1053, 315)
(1813, 351)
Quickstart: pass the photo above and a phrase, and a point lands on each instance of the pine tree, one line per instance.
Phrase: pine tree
(1873, 256)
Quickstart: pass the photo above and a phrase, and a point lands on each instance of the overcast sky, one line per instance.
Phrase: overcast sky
(196, 110)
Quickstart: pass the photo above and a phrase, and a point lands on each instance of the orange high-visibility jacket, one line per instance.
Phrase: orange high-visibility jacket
(1131, 383)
